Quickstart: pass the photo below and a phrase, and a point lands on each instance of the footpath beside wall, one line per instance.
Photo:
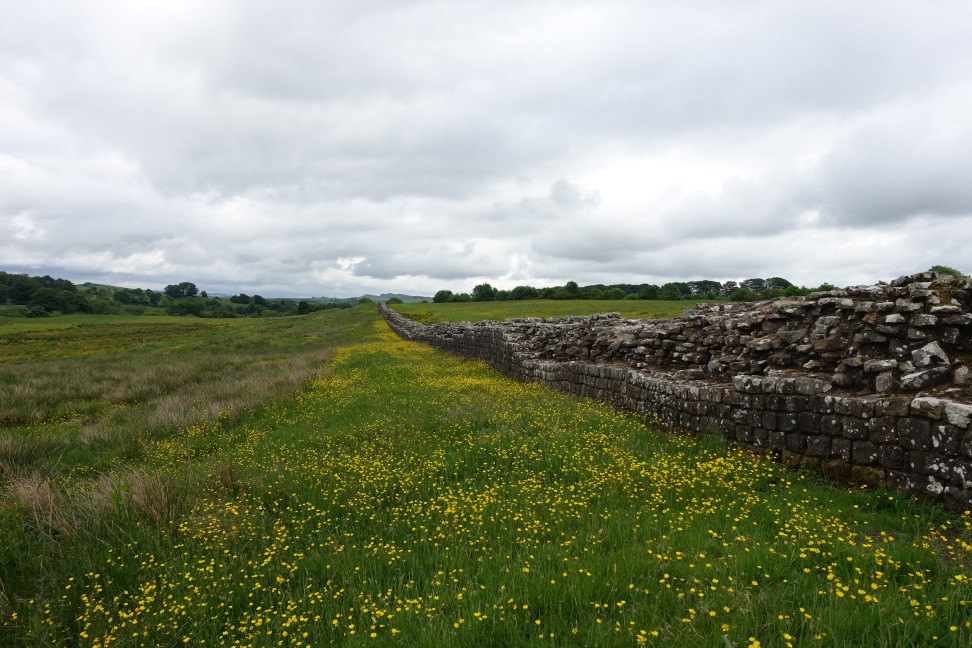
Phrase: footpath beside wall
(867, 383)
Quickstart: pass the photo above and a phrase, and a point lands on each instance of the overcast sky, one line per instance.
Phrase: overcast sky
(324, 147)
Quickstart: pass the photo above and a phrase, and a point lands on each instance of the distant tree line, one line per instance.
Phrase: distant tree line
(26, 296)
(748, 290)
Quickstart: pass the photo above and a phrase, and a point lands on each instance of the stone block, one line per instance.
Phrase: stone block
(891, 456)
(966, 446)
(761, 437)
(922, 320)
(883, 430)
(923, 379)
(776, 402)
(945, 438)
(769, 420)
(786, 422)
(777, 440)
(928, 407)
(864, 453)
(962, 473)
(877, 366)
(808, 422)
(959, 499)
(928, 463)
(830, 424)
(854, 428)
(797, 403)
(858, 407)
(818, 445)
(884, 382)
(929, 355)
(914, 433)
(840, 448)
(810, 386)
(744, 434)
(892, 406)
(958, 414)
(796, 442)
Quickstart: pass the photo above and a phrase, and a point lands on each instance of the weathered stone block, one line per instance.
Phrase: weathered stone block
(892, 406)
(769, 420)
(840, 448)
(928, 463)
(761, 437)
(777, 440)
(923, 379)
(854, 428)
(958, 414)
(786, 422)
(864, 453)
(796, 442)
(914, 433)
(929, 355)
(744, 434)
(962, 473)
(877, 366)
(927, 407)
(945, 438)
(776, 402)
(891, 456)
(884, 430)
(966, 446)
(830, 424)
(921, 320)
(884, 382)
(818, 445)
(808, 422)
(809, 386)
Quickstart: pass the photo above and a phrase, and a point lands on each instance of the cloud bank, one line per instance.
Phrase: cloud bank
(336, 148)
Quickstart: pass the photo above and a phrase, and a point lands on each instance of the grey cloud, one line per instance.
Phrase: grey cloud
(274, 144)
(438, 262)
(894, 171)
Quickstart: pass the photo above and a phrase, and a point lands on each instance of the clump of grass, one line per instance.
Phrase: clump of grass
(45, 507)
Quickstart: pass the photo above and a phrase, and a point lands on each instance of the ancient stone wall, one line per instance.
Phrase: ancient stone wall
(871, 381)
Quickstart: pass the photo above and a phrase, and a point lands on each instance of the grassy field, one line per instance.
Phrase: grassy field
(476, 311)
(393, 495)
(93, 334)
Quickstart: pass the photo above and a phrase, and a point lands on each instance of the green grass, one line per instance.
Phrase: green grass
(97, 335)
(403, 497)
(476, 311)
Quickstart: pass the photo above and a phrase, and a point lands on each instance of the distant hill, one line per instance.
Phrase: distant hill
(405, 298)
(351, 300)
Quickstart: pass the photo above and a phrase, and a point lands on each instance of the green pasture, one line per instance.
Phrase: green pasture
(317, 481)
(76, 335)
(429, 313)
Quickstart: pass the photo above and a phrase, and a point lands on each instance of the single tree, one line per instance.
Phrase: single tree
(483, 292)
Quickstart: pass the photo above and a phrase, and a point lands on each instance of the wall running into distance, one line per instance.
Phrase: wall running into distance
(866, 383)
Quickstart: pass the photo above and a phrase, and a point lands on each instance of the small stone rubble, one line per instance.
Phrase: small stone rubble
(866, 382)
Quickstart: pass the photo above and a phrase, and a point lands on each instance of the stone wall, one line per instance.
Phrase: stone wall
(863, 382)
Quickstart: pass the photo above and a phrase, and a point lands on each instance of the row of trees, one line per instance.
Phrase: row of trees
(748, 290)
(43, 296)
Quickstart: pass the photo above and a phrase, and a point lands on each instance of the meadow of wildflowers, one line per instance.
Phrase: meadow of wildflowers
(407, 497)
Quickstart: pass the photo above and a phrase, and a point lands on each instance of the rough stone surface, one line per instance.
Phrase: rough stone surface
(832, 375)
